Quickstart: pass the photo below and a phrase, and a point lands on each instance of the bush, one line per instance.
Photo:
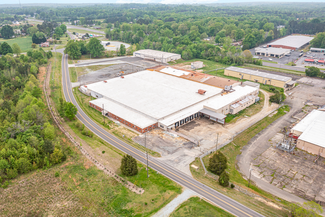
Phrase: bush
(56, 174)
(129, 166)
(224, 179)
(232, 185)
(218, 163)
(103, 152)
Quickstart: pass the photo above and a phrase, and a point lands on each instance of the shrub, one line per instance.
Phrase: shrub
(224, 179)
(103, 152)
(232, 185)
(129, 166)
(218, 163)
(56, 174)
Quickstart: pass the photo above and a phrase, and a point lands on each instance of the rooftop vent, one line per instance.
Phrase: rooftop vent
(202, 92)
(122, 76)
(105, 81)
(85, 86)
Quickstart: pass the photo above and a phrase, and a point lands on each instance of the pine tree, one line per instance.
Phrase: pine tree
(129, 166)
(224, 179)
(218, 163)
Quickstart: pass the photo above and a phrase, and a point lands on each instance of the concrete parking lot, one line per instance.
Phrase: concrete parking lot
(296, 173)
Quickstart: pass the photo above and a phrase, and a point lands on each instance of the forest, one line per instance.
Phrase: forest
(28, 140)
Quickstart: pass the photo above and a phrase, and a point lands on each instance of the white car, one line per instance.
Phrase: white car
(270, 59)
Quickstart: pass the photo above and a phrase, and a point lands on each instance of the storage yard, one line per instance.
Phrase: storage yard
(149, 99)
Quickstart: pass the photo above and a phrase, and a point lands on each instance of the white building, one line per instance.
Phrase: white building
(151, 99)
(271, 52)
(158, 56)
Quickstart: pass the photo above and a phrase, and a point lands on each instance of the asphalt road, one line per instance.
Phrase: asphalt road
(215, 197)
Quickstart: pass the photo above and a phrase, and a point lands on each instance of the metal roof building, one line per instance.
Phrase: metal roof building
(151, 99)
(291, 42)
(257, 76)
(311, 133)
(318, 50)
(156, 55)
(271, 52)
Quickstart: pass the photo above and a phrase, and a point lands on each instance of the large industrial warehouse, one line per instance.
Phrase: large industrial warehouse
(292, 42)
(151, 99)
(158, 56)
(257, 76)
(310, 133)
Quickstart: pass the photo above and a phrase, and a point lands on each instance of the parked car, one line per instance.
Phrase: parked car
(270, 59)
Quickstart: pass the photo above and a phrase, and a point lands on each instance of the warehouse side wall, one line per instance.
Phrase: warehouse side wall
(310, 148)
(255, 78)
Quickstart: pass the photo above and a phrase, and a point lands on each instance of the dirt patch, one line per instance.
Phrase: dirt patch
(88, 164)
(66, 164)
(41, 75)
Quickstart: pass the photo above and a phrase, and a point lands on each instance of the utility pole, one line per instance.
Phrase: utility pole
(250, 173)
(145, 143)
(103, 114)
(217, 142)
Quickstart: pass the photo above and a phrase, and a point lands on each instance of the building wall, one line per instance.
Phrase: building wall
(283, 46)
(259, 79)
(125, 122)
(311, 148)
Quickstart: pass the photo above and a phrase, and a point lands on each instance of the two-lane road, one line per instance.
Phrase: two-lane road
(215, 197)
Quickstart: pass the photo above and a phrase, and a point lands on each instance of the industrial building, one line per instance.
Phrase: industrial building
(292, 42)
(257, 76)
(317, 50)
(158, 56)
(272, 52)
(310, 133)
(149, 99)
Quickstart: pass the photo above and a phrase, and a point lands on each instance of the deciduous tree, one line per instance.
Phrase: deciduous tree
(129, 166)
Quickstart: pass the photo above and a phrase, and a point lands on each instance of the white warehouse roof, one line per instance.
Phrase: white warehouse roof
(314, 133)
(272, 50)
(173, 71)
(309, 119)
(130, 115)
(155, 53)
(258, 73)
(153, 93)
(295, 41)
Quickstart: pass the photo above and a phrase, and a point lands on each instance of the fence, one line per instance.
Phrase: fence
(55, 116)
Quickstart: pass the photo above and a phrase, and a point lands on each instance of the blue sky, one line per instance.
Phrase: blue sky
(144, 1)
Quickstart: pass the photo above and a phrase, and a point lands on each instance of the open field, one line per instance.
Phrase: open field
(84, 31)
(25, 43)
(209, 65)
(197, 207)
(263, 202)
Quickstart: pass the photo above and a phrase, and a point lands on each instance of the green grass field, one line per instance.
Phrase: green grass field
(197, 207)
(269, 61)
(209, 65)
(25, 43)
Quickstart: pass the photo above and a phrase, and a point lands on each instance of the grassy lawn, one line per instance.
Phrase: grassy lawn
(269, 61)
(85, 31)
(119, 131)
(197, 207)
(231, 151)
(75, 72)
(269, 68)
(209, 65)
(25, 43)
(249, 111)
(100, 193)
